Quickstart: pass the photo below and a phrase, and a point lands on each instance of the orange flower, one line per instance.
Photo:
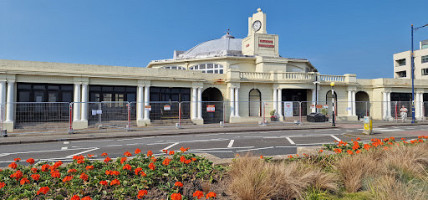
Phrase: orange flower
(122, 160)
(198, 194)
(86, 198)
(402, 139)
(30, 161)
(80, 161)
(166, 161)
(154, 159)
(24, 181)
(17, 175)
(366, 146)
(104, 154)
(89, 167)
(75, 197)
(261, 156)
(90, 155)
(17, 159)
(193, 159)
(137, 170)
(142, 173)
(57, 164)
(358, 139)
(182, 149)
(182, 159)
(187, 161)
(127, 167)
(385, 139)
(350, 152)
(103, 183)
(43, 190)
(290, 156)
(127, 154)
(392, 138)
(338, 150)
(84, 176)
(176, 196)
(67, 178)
(2, 184)
(141, 194)
(116, 173)
(357, 151)
(171, 152)
(152, 166)
(71, 171)
(107, 160)
(34, 170)
(211, 195)
(178, 184)
(137, 151)
(115, 182)
(320, 151)
(165, 151)
(13, 165)
(149, 153)
(35, 177)
(55, 174)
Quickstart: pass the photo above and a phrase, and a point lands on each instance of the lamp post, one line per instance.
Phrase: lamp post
(413, 72)
(333, 123)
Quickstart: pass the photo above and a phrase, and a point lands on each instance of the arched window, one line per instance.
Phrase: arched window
(328, 101)
(174, 67)
(255, 105)
(209, 68)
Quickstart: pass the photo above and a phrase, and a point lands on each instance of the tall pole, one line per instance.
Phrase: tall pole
(333, 121)
(413, 80)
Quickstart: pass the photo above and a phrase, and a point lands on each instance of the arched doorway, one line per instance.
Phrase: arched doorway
(255, 104)
(212, 97)
(362, 104)
(328, 97)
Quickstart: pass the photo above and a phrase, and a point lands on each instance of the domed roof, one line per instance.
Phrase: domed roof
(225, 46)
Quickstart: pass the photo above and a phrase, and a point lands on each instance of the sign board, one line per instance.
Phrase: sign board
(97, 112)
(288, 109)
(149, 108)
(167, 107)
(210, 108)
(318, 106)
(325, 106)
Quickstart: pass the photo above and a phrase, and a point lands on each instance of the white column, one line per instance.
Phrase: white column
(418, 105)
(384, 106)
(10, 110)
(146, 102)
(275, 99)
(350, 109)
(354, 108)
(388, 98)
(314, 103)
(237, 102)
(421, 100)
(194, 102)
(85, 98)
(140, 103)
(77, 104)
(2, 99)
(280, 103)
(200, 103)
(232, 102)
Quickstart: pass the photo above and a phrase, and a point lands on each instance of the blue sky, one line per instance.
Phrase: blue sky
(337, 36)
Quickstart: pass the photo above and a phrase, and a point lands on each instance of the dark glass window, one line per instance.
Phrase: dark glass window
(30, 92)
(99, 93)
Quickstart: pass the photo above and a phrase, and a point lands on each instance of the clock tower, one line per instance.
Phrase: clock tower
(258, 42)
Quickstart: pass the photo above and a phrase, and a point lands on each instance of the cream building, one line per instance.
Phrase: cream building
(244, 79)
(403, 66)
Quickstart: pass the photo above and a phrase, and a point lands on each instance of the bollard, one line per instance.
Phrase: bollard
(368, 125)
(70, 120)
(128, 127)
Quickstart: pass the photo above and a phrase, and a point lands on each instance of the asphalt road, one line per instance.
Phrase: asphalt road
(222, 145)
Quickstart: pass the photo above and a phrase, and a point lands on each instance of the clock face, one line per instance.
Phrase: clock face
(257, 25)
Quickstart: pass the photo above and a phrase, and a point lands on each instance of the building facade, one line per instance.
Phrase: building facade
(243, 79)
(403, 65)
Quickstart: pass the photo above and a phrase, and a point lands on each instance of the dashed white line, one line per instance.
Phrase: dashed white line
(168, 147)
(336, 138)
(230, 143)
(114, 145)
(64, 148)
(66, 142)
(93, 149)
(289, 140)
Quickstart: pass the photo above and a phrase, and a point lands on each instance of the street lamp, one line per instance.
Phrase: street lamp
(333, 123)
(413, 73)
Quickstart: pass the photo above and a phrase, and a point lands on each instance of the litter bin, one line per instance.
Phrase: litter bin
(368, 125)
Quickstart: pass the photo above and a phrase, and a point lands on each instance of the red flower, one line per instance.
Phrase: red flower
(137, 170)
(358, 139)
(104, 154)
(84, 177)
(35, 177)
(17, 159)
(116, 173)
(90, 155)
(86, 198)
(290, 156)
(107, 160)
(127, 167)
(187, 161)
(57, 164)
(71, 171)
(17, 175)
(143, 174)
(357, 151)
(89, 167)
(182, 159)
(198, 194)
(13, 165)
(176, 196)
(261, 156)
(165, 151)
(115, 182)
(171, 152)
(34, 170)
(149, 153)
(43, 190)
(154, 159)
(193, 159)
(182, 149)
(211, 195)
(350, 152)
(55, 174)
(320, 151)
(137, 151)
(45, 167)
(75, 197)
(152, 166)
(103, 183)
(2, 184)
(141, 194)
(24, 181)
(166, 161)
(67, 178)
(122, 160)
(338, 150)
(127, 154)
(178, 184)
(30, 161)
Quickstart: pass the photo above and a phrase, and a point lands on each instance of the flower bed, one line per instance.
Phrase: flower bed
(173, 176)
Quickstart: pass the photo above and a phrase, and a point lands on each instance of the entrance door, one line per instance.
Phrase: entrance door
(212, 106)
(255, 103)
(296, 95)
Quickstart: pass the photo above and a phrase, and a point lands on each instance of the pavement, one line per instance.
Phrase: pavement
(41, 137)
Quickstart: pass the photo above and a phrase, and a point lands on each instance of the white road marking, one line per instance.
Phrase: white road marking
(168, 147)
(410, 128)
(256, 149)
(66, 142)
(89, 150)
(64, 148)
(289, 140)
(209, 149)
(43, 151)
(230, 143)
(336, 138)
(114, 145)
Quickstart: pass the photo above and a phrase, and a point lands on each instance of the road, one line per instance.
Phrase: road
(222, 145)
